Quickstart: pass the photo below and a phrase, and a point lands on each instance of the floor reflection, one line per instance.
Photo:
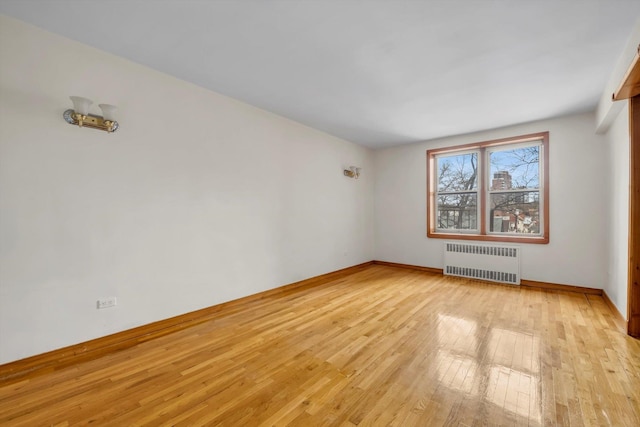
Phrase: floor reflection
(501, 369)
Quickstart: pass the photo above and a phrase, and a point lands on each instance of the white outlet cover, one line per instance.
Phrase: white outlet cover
(106, 302)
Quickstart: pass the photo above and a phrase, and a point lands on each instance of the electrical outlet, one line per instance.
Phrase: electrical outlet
(107, 302)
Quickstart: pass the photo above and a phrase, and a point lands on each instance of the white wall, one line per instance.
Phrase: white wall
(576, 254)
(618, 205)
(612, 120)
(197, 199)
(607, 111)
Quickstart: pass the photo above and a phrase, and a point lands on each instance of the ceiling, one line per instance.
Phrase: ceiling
(375, 72)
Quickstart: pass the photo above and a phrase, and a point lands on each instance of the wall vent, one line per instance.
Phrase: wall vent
(493, 262)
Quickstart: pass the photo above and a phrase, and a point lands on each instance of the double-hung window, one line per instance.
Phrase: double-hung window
(493, 190)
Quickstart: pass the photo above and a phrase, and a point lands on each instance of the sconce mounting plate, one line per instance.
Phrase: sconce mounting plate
(90, 121)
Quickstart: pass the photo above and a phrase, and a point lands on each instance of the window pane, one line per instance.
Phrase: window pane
(515, 169)
(515, 212)
(458, 173)
(457, 211)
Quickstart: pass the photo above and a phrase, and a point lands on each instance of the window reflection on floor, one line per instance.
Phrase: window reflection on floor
(501, 370)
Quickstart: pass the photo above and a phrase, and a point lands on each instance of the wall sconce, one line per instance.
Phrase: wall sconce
(353, 172)
(80, 116)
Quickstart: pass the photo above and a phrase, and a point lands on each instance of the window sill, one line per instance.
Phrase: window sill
(540, 240)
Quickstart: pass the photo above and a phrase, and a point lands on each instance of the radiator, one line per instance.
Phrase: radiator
(494, 262)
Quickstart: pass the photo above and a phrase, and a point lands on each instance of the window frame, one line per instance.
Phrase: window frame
(460, 192)
(483, 190)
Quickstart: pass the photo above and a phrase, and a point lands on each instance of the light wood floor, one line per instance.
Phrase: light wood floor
(385, 346)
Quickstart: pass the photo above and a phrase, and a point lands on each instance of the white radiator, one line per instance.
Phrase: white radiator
(484, 261)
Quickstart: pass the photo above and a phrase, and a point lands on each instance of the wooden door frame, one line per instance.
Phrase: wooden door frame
(630, 89)
(633, 281)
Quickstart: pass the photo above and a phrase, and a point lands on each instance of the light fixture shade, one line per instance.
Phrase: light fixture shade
(358, 171)
(81, 105)
(108, 111)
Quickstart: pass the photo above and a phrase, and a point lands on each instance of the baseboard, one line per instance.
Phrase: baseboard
(559, 287)
(409, 266)
(618, 318)
(523, 282)
(93, 349)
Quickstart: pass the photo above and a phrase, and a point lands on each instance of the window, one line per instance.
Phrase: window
(493, 190)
